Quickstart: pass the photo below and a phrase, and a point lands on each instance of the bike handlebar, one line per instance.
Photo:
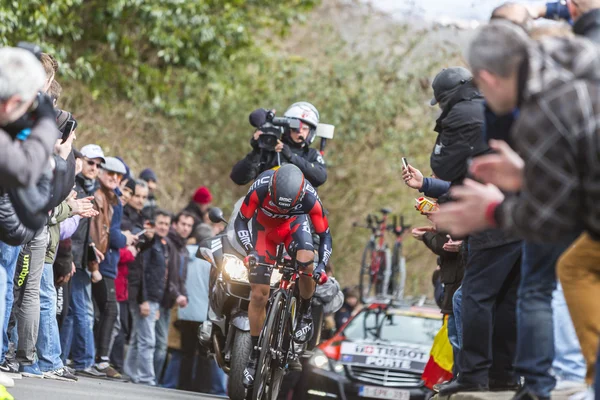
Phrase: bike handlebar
(320, 277)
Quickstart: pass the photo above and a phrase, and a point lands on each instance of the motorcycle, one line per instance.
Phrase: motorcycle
(226, 334)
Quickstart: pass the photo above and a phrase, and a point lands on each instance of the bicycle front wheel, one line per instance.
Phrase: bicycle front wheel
(268, 343)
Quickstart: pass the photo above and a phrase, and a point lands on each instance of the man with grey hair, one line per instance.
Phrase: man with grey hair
(555, 84)
(21, 78)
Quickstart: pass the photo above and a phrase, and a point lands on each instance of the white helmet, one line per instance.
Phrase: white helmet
(306, 113)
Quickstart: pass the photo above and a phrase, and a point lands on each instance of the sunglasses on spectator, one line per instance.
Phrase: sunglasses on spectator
(113, 173)
(91, 163)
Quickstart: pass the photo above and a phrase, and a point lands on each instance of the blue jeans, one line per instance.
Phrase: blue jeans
(569, 364)
(139, 363)
(170, 379)
(535, 344)
(8, 259)
(77, 334)
(48, 343)
(219, 379)
(456, 316)
(455, 329)
(162, 337)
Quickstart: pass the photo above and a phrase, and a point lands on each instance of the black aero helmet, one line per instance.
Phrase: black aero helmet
(287, 186)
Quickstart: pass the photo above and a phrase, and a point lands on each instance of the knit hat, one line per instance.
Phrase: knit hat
(148, 175)
(202, 195)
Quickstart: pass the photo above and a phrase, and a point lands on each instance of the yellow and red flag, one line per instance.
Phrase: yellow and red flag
(439, 366)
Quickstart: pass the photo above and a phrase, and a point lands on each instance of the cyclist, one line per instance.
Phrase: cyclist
(280, 204)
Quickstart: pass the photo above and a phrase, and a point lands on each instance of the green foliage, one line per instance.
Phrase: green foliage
(147, 48)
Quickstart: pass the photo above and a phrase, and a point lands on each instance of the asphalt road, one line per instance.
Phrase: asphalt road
(95, 389)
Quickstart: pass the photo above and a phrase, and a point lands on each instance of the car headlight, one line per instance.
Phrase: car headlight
(321, 361)
(235, 269)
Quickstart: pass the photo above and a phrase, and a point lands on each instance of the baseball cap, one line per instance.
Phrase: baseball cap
(93, 151)
(448, 79)
(113, 164)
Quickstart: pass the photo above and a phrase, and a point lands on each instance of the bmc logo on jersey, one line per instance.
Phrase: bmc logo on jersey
(262, 181)
(272, 214)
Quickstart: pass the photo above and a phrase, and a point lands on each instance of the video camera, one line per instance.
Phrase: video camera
(272, 127)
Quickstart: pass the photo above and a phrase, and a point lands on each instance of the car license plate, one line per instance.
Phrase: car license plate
(383, 393)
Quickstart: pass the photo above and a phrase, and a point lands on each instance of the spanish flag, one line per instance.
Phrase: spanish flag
(439, 366)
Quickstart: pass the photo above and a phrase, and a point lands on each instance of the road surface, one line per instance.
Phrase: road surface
(95, 389)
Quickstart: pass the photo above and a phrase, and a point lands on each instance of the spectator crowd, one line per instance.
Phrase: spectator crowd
(515, 226)
(96, 280)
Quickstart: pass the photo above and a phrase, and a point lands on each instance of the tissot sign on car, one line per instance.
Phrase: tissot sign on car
(407, 358)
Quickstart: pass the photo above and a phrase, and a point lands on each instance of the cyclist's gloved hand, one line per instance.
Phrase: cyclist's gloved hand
(251, 259)
(319, 274)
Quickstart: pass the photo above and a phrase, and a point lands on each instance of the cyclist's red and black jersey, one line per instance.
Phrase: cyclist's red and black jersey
(273, 226)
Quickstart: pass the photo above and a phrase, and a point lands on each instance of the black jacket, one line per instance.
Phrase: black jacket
(81, 238)
(132, 220)
(309, 161)
(147, 274)
(459, 131)
(452, 267)
(177, 265)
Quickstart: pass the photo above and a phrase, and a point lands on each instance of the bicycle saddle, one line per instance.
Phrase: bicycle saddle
(386, 211)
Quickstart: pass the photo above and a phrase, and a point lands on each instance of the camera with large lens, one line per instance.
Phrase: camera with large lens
(272, 127)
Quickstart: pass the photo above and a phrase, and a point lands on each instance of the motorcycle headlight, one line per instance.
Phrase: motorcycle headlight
(235, 269)
(321, 361)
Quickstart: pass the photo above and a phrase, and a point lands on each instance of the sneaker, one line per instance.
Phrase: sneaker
(587, 394)
(10, 369)
(109, 371)
(90, 372)
(6, 380)
(69, 370)
(303, 332)
(31, 371)
(61, 374)
(250, 370)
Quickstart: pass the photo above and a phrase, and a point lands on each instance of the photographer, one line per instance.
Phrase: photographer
(292, 146)
(21, 78)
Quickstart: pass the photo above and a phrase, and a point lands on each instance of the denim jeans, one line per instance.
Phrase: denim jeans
(170, 379)
(569, 364)
(218, 379)
(162, 336)
(48, 343)
(535, 344)
(455, 321)
(8, 260)
(455, 330)
(139, 363)
(77, 334)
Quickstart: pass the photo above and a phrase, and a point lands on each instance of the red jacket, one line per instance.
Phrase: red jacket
(121, 281)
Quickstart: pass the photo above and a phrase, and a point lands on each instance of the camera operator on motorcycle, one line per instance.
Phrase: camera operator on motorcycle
(292, 148)
(280, 204)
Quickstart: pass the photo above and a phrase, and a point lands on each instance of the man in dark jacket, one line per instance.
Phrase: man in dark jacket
(147, 283)
(77, 337)
(493, 257)
(292, 148)
(175, 290)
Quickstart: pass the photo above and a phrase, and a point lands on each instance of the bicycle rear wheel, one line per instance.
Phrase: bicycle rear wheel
(365, 283)
(268, 343)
